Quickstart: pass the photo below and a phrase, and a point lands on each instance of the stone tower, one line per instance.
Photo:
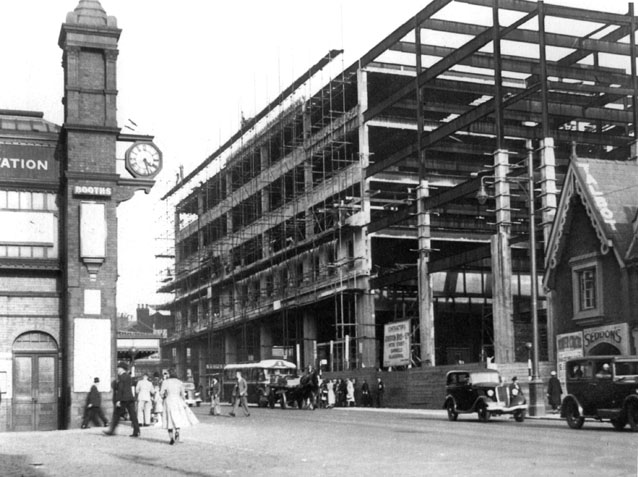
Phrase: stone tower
(91, 189)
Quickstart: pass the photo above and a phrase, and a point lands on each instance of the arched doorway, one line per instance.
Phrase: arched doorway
(35, 397)
(604, 349)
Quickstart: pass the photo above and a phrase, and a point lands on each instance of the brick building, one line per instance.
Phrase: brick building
(592, 261)
(59, 190)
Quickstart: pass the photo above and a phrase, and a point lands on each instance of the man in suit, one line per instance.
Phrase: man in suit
(124, 401)
(94, 406)
(241, 395)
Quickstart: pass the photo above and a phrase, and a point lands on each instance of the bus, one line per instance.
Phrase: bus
(259, 376)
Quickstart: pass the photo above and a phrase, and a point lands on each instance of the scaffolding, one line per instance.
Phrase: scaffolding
(313, 204)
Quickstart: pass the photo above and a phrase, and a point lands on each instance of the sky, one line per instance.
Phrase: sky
(187, 71)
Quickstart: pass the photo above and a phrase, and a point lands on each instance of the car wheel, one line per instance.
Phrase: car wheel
(519, 416)
(619, 424)
(483, 414)
(452, 415)
(632, 416)
(573, 418)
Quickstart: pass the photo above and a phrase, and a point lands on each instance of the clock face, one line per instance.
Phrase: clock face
(143, 159)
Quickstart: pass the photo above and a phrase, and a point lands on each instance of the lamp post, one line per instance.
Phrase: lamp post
(536, 403)
(528, 346)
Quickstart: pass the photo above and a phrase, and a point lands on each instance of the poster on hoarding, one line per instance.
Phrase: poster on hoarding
(396, 344)
(568, 346)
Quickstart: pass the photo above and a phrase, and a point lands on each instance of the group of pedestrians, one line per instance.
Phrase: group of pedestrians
(165, 399)
(346, 392)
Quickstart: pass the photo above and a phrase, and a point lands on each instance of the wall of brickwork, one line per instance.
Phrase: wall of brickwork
(424, 388)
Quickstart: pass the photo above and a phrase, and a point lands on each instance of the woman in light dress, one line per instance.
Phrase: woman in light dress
(350, 392)
(176, 412)
(331, 393)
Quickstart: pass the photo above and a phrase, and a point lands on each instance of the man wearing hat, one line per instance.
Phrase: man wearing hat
(554, 391)
(124, 401)
(93, 409)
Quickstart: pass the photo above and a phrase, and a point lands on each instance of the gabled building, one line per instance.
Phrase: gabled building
(592, 259)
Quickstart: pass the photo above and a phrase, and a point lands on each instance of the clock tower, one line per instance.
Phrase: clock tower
(91, 190)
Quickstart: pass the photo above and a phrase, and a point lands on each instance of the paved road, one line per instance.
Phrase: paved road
(330, 442)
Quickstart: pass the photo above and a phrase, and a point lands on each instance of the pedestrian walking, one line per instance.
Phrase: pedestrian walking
(343, 393)
(124, 401)
(331, 393)
(380, 392)
(93, 408)
(349, 393)
(177, 414)
(144, 392)
(156, 397)
(365, 394)
(215, 390)
(357, 392)
(554, 391)
(241, 395)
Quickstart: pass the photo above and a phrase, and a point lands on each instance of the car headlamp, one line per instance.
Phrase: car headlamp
(490, 392)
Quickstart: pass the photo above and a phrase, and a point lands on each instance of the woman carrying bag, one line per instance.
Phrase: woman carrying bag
(176, 414)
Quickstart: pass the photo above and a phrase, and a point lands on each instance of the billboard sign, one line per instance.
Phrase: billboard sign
(396, 344)
(568, 346)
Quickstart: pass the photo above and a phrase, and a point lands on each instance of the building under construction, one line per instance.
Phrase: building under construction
(341, 208)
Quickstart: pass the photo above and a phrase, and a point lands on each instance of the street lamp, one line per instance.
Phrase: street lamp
(536, 403)
(481, 195)
(528, 346)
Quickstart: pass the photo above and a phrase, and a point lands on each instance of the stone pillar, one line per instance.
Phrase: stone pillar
(549, 192)
(549, 195)
(502, 265)
(265, 341)
(365, 319)
(426, 305)
(309, 339)
(230, 348)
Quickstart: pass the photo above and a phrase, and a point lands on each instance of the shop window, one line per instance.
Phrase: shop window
(587, 287)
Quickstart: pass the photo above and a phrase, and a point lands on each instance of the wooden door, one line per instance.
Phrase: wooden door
(35, 403)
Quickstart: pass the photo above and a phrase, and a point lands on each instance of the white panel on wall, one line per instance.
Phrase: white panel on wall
(92, 230)
(21, 227)
(92, 302)
(92, 356)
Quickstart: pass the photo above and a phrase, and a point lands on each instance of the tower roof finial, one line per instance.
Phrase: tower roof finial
(90, 12)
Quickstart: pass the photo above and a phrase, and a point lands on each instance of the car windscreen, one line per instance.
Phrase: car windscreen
(626, 368)
(485, 378)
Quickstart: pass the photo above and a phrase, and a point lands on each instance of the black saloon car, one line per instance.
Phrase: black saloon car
(483, 392)
(603, 388)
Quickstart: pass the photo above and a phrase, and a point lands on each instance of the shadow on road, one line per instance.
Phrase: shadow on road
(17, 465)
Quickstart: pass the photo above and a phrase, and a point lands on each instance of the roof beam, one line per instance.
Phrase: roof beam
(518, 64)
(531, 36)
(556, 11)
(402, 31)
(454, 57)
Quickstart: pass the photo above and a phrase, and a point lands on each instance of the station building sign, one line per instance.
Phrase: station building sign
(396, 344)
(28, 162)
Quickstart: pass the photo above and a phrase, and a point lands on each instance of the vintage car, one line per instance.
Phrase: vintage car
(482, 391)
(191, 395)
(602, 388)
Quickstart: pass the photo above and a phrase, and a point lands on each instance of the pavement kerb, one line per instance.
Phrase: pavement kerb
(431, 412)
